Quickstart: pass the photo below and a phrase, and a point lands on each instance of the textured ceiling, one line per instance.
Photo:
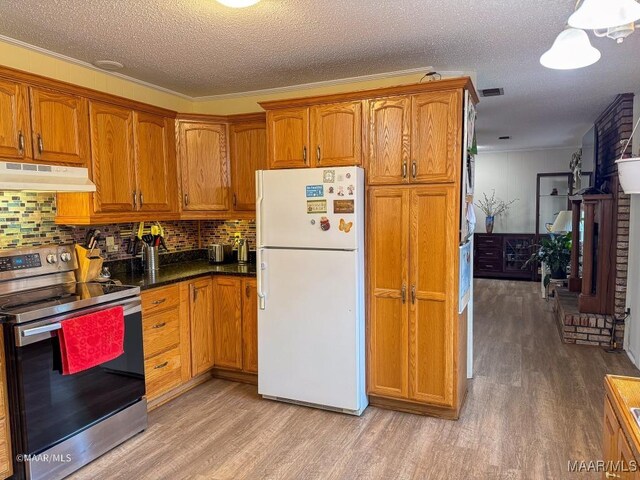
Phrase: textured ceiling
(199, 47)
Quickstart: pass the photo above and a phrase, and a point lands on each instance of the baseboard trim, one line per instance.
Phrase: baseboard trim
(448, 413)
(235, 376)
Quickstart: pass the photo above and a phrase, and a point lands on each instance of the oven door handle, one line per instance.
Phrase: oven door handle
(52, 327)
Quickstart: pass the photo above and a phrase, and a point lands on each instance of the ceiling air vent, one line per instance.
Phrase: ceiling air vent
(492, 92)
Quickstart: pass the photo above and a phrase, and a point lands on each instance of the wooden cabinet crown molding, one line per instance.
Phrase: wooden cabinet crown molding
(64, 87)
(434, 86)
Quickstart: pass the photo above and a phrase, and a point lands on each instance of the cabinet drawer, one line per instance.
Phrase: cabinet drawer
(488, 265)
(160, 299)
(488, 241)
(489, 254)
(161, 331)
(162, 373)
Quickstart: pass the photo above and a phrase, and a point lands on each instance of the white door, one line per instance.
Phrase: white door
(311, 208)
(311, 332)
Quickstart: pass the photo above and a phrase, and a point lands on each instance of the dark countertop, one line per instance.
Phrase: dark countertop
(179, 272)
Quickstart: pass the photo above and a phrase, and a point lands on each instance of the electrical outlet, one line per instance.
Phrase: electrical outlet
(110, 241)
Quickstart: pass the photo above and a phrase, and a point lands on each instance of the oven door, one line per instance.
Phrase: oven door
(48, 407)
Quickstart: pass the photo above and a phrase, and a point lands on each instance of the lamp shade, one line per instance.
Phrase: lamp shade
(596, 14)
(563, 223)
(572, 49)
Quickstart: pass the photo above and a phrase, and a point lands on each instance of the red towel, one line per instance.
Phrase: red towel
(91, 340)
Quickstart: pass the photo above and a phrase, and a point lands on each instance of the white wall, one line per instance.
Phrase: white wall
(513, 175)
(632, 330)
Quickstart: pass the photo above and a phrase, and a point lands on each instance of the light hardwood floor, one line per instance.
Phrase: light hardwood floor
(533, 405)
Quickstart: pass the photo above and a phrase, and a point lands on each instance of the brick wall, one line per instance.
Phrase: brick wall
(612, 129)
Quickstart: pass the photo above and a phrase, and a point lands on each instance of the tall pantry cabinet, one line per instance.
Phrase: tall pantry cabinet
(411, 142)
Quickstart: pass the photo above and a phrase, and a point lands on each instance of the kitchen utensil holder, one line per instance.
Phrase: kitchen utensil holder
(150, 258)
(89, 264)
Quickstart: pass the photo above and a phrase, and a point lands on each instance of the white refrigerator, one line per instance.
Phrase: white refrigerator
(310, 255)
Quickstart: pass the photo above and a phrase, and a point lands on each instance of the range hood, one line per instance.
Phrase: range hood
(30, 177)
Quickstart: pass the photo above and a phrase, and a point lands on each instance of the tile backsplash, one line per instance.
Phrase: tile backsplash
(28, 219)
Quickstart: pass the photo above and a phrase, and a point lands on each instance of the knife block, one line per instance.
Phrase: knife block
(89, 267)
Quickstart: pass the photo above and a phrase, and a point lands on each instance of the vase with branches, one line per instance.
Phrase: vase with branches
(493, 207)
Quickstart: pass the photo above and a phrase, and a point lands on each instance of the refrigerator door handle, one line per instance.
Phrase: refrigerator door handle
(259, 281)
(259, 249)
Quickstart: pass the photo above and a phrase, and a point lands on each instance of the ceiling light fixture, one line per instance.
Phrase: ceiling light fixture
(109, 65)
(238, 3)
(571, 49)
(601, 14)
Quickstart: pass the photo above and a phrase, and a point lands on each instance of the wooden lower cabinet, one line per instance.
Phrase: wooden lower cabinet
(415, 335)
(621, 433)
(165, 326)
(235, 310)
(202, 328)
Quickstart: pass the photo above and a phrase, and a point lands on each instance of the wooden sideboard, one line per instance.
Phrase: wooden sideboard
(503, 255)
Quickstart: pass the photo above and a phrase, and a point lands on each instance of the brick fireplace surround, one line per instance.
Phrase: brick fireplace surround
(615, 124)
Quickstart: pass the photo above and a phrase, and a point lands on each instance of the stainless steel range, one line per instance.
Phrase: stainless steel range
(62, 422)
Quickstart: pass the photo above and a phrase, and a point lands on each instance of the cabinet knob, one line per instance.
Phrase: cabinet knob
(159, 302)
(40, 144)
(186, 199)
(162, 365)
(304, 154)
(246, 290)
(159, 325)
(414, 169)
(404, 293)
(235, 200)
(404, 169)
(135, 199)
(318, 156)
(141, 199)
(413, 294)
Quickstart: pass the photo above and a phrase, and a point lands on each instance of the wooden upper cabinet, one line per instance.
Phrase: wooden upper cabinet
(288, 138)
(155, 163)
(389, 141)
(227, 321)
(202, 332)
(436, 122)
(248, 153)
(250, 325)
(432, 270)
(112, 158)
(388, 250)
(336, 134)
(205, 166)
(60, 127)
(15, 137)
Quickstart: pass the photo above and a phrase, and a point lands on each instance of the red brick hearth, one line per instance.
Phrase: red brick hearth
(580, 328)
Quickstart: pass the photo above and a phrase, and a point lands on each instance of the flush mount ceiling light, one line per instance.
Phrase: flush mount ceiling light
(238, 3)
(602, 14)
(572, 49)
(110, 65)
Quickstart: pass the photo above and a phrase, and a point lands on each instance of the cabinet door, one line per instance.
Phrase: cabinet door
(288, 138)
(336, 134)
(432, 263)
(14, 121)
(227, 321)
(436, 136)
(628, 463)
(388, 329)
(154, 172)
(112, 159)
(248, 154)
(60, 125)
(205, 168)
(250, 326)
(389, 134)
(610, 431)
(201, 316)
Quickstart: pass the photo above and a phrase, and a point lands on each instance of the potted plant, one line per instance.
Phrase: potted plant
(492, 208)
(555, 252)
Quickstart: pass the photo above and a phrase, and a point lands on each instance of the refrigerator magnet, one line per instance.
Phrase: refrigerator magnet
(324, 223)
(316, 206)
(345, 226)
(343, 206)
(351, 189)
(331, 190)
(341, 191)
(329, 176)
(314, 191)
